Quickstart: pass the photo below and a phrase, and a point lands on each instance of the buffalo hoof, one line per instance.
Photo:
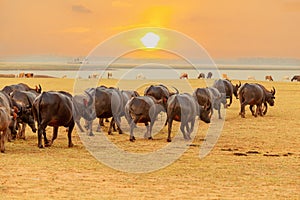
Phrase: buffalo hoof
(131, 140)
(41, 146)
(120, 132)
(48, 145)
(150, 138)
(169, 140)
(91, 134)
(71, 145)
(109, 133)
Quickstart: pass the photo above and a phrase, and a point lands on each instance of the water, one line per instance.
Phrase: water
(163, 73)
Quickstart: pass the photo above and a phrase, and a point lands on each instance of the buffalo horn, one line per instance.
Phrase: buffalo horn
(177, 92)
(90, 98)
(273, 91)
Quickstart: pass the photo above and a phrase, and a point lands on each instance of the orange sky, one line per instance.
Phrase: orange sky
(226, 28)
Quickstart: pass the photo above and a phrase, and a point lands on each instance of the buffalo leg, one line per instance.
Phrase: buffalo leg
(79, 125)
(90, 128)
(2, 136)
(182, 126)
(251, 109)
(132, 126)
(258, 108)
(111, 125)
(40, 133)
(22, 135)
(266, 109)
(150, 130)
(170, 121)
(55, 130)
(99, 125)
(242, 112)
(70, 134)
(192, 128)
(147, 130)
(230, 101)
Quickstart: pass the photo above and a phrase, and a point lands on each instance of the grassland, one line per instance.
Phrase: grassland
(59, 172)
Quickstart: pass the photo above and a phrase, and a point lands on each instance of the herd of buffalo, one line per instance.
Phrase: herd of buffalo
(21, 105)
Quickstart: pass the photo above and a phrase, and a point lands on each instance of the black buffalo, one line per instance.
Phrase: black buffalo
(160, 92)
(226, 87)
(7, 103)
(53, 109)
(22, 87)
(109, 103)
(209, 75)
(201, 75)
(84, 107)
(216, 100)
(184, 108)
(269, 97)
(142, 109)
(296, 78)
(202, 95)
(251, 94)
(24, 100)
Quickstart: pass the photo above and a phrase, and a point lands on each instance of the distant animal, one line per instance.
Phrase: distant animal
(226, 87)
(184, 108)
(142, 109)
(285, 78)
(24, 100)
(5, 121)
(109, 75)
(184, 76)
(22, 87)
(251, 78)
(225, 76)
(201, 75)
(21, 75)
(251, 94)
(296, 78)
(94, 76)
(269, 78)
(53, 109)
(29, 75)
(140, 76)
(209, 75)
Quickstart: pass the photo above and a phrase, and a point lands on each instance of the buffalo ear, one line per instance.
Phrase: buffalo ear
(207, 106)
(165, 100)
(85, 102)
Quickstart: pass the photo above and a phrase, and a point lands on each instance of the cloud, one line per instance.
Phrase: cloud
(80, 9)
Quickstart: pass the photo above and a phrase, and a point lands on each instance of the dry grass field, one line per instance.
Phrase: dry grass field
(59, 172)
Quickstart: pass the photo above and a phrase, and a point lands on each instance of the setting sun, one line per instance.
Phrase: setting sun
(150, 40)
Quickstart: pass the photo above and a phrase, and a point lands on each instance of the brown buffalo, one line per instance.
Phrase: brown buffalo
(184, 76)
(269, 78)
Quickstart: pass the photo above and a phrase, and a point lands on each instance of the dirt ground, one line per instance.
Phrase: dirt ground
(254, 158)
